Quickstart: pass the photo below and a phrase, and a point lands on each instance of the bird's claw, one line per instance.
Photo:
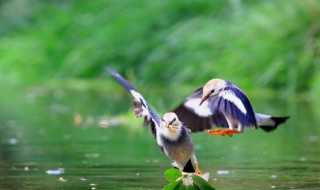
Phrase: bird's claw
(198, 171)
(222, 132)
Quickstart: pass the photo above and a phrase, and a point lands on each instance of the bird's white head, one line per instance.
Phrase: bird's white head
(212, 88)
(171, 125)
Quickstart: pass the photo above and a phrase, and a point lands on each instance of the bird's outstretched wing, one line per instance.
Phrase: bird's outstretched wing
(234, 103)
(199, 118)
(141, 106)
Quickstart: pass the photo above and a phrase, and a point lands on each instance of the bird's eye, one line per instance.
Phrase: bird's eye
(171, 122)
(212, 91)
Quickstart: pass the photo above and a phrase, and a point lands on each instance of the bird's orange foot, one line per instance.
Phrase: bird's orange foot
(222, 132)
(197, 170)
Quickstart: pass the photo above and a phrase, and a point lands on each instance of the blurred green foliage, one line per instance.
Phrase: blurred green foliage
(256, 44)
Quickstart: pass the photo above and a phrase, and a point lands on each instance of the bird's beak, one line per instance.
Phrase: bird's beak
(204, 98)
(172, 128)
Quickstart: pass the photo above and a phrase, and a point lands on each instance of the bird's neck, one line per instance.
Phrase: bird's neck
(171, 135)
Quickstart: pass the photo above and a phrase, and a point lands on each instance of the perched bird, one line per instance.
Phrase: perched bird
(171, 134)
(222, 103)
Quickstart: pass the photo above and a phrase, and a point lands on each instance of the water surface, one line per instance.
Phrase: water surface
(51, 139)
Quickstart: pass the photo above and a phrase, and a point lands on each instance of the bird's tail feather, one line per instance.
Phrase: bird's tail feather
(189, 167)
(277, 121)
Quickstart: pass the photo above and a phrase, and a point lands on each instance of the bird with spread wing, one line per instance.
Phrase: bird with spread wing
(223, 104)
(171, 134)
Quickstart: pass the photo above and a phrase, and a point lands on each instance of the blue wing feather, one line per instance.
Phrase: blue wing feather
(120, 79)
(228, 107)
(136, 95)
(250, 116)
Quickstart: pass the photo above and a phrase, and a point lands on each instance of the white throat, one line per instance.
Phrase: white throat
(170, 134)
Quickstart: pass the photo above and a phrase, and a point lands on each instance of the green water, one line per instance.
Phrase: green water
(39, 134)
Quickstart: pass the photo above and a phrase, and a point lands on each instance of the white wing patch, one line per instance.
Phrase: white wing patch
(137, 96)
(230, 96)
(203, 110)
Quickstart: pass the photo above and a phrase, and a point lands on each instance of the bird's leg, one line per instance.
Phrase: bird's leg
(195, 161)
(240, 128)
(197, 170)
(177, 165)
(222, 132)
